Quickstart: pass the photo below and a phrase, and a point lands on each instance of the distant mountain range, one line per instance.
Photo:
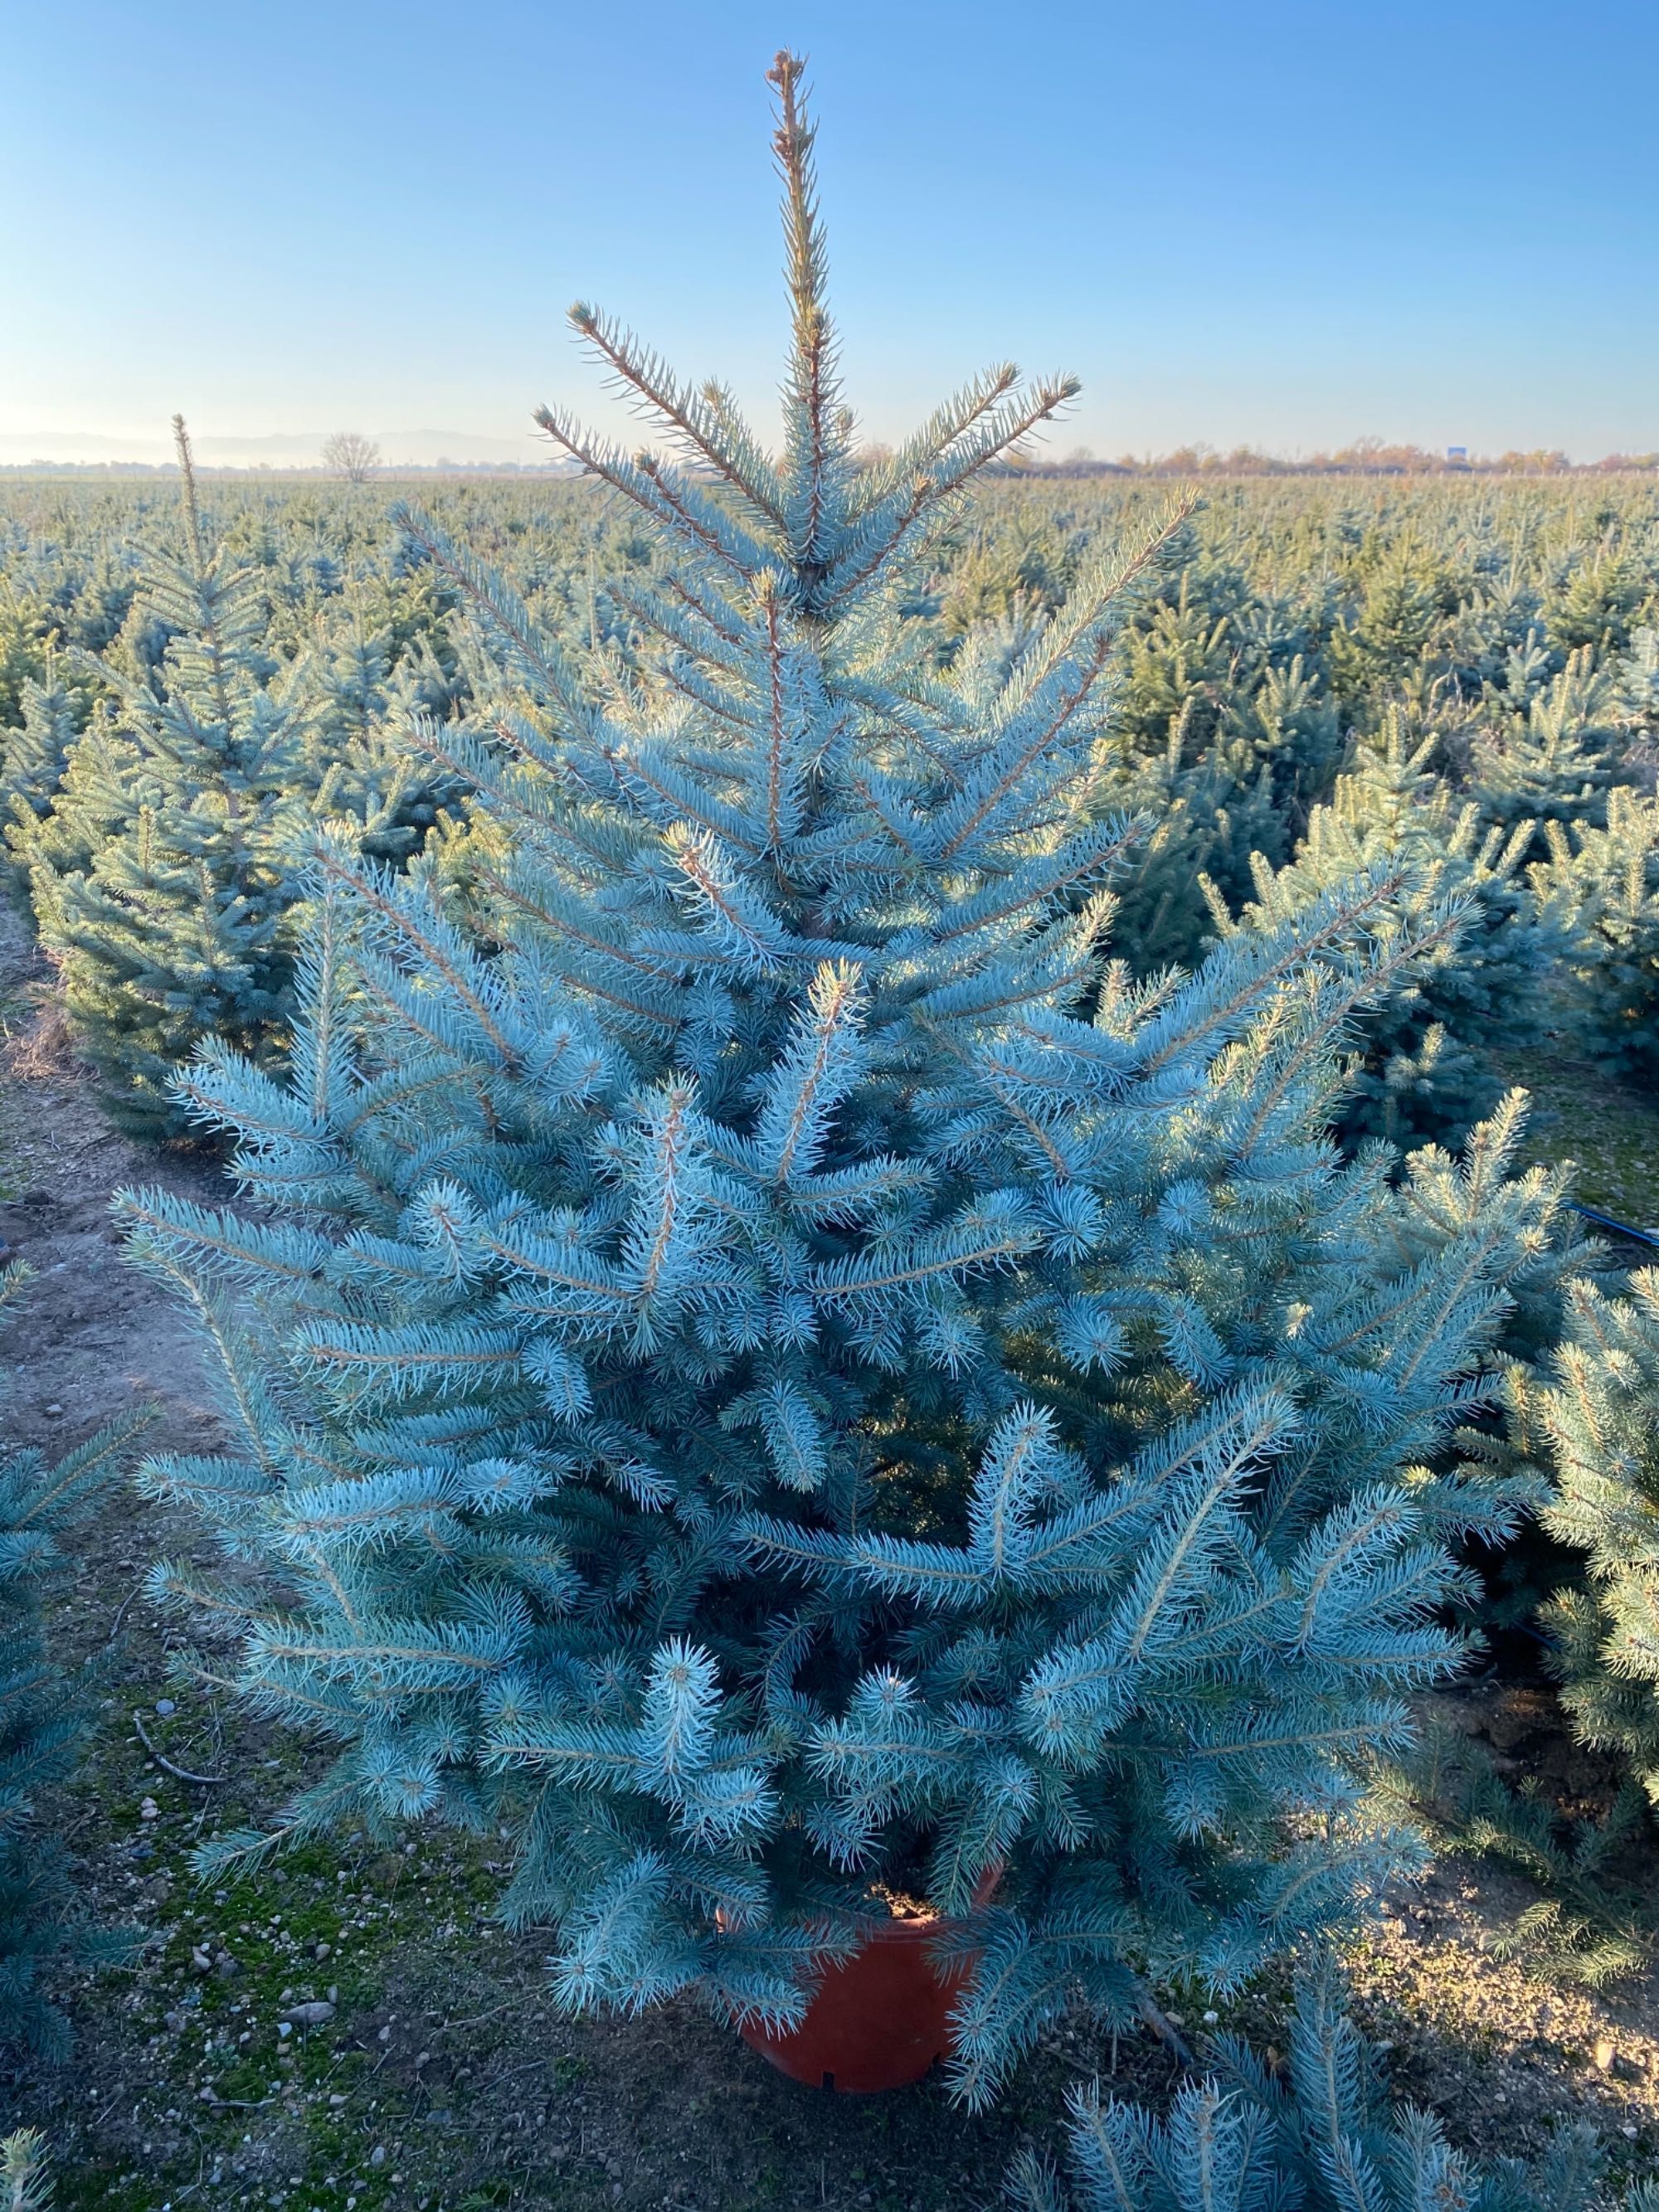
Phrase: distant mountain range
(280, 449)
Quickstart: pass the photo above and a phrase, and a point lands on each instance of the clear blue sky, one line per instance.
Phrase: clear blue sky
(1285, 222)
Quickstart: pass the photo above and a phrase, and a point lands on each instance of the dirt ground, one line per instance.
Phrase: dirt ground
(436, 2073)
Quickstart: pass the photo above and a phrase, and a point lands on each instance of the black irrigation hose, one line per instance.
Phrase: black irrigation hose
(1600, 1221)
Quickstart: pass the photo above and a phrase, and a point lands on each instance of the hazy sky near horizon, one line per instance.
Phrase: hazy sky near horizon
(1288, 223)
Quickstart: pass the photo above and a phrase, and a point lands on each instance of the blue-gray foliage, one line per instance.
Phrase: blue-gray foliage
(1319, 2135)
(764, 1359)
(159, 846)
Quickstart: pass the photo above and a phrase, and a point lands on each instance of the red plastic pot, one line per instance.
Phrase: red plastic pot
(879, 2019)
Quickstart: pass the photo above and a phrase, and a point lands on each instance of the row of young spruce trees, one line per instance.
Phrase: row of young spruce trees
(782, 1348)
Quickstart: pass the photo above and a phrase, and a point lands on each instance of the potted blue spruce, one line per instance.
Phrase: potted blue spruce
(764, 1362)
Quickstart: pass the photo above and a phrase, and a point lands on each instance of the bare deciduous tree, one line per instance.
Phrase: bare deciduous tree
(351, 455)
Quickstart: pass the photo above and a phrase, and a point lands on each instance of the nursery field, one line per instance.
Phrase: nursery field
(439, 839)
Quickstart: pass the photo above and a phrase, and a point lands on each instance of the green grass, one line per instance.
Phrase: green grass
(1610, 1132)
(269, 1922)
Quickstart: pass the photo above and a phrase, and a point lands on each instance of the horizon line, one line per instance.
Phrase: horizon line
(1364, 459)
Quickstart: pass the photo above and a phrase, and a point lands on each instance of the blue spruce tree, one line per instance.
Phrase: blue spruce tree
(32, 755)
(159, 846)
(767, 1361)
(1593, 1423)
(354, 762)
(1320, 2135)
(1546, 754)
(1604, 885)
(1638, 690)
(1425, 1073)
(160, 875)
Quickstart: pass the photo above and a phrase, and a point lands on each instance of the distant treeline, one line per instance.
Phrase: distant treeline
(1365, 457)
(301, 471)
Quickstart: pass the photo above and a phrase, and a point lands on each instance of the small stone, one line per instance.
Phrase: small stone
(164, 1706)
(1629, 2130)
(1175, 2019)
(336, 2100)
(285, 2029)
(199, 1960)
(1211, 2019)
(376, 2156)
(54, 1410)
(176, 2021)
(312, 2014)
(384, 2035)
(1605, 2054)
(334, 1993)
(322, 1951)
(148, 1809)
(424, 2059)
